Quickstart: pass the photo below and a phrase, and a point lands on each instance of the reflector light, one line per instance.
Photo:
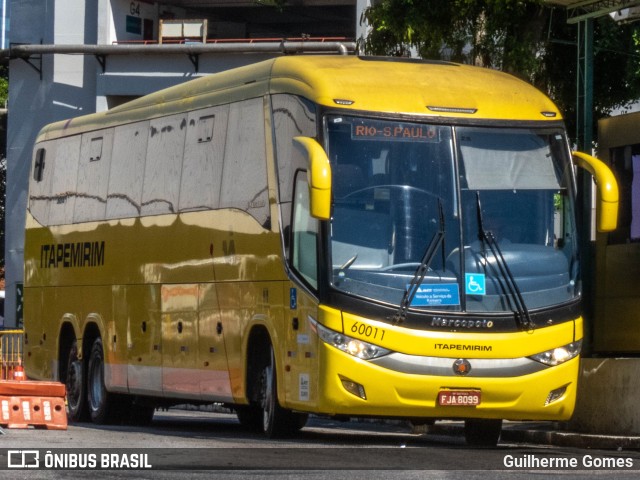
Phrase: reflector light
(555, 395)
(342, 101)
(353, 387)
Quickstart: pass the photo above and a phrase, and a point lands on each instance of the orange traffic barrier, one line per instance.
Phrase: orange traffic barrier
(28, 403)
(18, 372)
(25, 403)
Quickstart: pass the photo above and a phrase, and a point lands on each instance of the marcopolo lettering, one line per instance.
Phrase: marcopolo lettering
(460, 323)
(68, 255)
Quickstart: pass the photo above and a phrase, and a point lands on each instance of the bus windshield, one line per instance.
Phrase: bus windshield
(471, 215)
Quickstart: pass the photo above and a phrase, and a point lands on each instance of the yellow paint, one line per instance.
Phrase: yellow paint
(319, 177)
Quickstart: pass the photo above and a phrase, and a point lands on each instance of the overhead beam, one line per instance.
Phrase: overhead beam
(580, 11)
(33, 53)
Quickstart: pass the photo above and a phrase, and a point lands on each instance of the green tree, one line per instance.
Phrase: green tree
(527, 38)
(4, 85)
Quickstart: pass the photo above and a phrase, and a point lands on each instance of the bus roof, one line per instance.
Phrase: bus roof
(389, 85)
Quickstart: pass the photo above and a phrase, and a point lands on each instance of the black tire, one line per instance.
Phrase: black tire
(141, 415)
(250, 417)
(129, 410)
(75, 382)
(277, 422)
(102, 404)
(482, 432)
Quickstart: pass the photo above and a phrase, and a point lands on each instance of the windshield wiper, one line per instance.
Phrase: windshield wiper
(401, 315)
(522, 313)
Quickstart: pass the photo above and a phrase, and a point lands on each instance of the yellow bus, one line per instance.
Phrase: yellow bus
(334, 235)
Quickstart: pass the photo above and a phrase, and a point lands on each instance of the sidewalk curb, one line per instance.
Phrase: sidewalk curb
(521, 433)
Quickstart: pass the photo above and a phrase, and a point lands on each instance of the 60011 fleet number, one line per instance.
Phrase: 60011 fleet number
(368, 331)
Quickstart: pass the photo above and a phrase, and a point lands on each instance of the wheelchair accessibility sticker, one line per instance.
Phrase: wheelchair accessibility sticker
(475, 284)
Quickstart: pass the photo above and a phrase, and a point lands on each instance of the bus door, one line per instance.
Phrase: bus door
(300, 350)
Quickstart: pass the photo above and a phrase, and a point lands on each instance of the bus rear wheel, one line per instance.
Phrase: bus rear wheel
(75, 385)
(482, 432)
(102, 408)
(276, 421)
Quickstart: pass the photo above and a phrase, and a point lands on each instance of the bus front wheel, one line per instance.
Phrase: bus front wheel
(482, 432)
(276, 421)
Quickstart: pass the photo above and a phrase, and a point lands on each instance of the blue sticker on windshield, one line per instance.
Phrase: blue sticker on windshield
(436, 294)
(474, 284)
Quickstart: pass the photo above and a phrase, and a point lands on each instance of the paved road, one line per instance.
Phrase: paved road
(185, 445)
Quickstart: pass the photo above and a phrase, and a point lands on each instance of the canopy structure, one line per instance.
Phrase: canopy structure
(582, 13)
(579, 10)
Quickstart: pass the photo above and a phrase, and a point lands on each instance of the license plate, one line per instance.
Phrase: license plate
(459, 398)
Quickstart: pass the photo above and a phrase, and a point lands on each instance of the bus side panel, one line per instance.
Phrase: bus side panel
(180, 340)
(243, 306)
(215, 382)
(149, 237)
(137, 308)
(39, 355)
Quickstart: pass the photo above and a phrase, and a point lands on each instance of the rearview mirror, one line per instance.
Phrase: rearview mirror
(607, 190)
(318, 176)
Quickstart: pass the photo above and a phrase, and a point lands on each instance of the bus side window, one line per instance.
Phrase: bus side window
(245, 161)
(126, 174)
(292, 116)
(305, 233)
(93, 176)
(203, 160)
(163, 165)
(65, 180)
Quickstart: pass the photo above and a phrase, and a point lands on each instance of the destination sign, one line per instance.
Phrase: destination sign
(396, 131)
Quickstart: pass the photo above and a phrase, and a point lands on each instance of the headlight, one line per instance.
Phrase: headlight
(559, 355)
(352, 346)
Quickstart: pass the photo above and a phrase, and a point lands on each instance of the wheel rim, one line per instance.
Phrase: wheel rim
(267, 395)
(74, 383)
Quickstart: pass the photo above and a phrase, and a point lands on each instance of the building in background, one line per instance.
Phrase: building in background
(134, 53)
